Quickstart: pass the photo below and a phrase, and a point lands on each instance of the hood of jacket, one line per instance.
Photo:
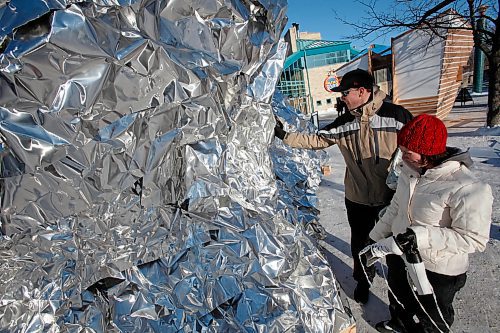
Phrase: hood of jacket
(458, 155)
(372, 106)
(452, 155)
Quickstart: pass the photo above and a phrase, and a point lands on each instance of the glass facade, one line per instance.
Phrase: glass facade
(292, 83)
(330, 58)
(311, 54)
(382, 75)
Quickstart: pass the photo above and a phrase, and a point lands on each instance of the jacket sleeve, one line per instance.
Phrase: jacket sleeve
(310, 141)
(383, 228)
(470, 212)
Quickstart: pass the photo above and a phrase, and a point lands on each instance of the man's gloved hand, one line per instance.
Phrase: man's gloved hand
(279, 132)
(372, 253)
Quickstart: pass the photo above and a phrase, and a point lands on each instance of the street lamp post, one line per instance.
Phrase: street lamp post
(477, 85)
(303, 48)
(308, 84)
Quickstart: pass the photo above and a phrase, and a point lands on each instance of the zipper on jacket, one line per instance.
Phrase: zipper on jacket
(358, 148)
(376, 147)
(411, 197)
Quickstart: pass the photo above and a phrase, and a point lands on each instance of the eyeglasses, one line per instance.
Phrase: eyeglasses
(346, 92)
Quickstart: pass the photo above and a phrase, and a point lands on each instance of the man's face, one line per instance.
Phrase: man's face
(355, 97)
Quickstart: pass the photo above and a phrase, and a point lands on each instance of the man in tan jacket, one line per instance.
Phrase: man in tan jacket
(367, 139)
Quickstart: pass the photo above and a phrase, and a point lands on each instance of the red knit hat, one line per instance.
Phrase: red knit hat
(424, 134)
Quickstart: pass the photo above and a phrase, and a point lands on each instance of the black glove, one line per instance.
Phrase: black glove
(407, 241)
(279, 132)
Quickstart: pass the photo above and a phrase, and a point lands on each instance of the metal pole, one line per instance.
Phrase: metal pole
(477, 86)
(308, 84)
(307, 77)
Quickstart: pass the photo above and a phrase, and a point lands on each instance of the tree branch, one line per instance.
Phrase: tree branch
(435, 10)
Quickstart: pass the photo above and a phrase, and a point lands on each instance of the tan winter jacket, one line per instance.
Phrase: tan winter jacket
(448, 209)
(367, 138)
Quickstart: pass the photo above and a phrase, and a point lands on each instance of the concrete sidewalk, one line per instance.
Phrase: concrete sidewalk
(469, 117)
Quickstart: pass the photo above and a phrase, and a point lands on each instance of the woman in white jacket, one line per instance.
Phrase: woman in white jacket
(442, 207)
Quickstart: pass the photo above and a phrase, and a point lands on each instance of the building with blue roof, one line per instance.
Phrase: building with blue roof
(310, 61)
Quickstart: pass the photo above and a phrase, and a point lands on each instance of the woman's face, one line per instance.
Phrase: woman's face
(412, 158)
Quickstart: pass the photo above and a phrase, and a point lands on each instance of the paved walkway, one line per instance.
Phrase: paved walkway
(469, 117)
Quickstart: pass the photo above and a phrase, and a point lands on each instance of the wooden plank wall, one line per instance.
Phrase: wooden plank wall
(420, 105)
(457, 50)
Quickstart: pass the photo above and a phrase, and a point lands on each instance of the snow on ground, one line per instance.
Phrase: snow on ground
(477, 305)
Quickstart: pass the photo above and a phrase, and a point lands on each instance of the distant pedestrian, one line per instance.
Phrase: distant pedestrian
(366, 136)
(441, 209)
(340, 106)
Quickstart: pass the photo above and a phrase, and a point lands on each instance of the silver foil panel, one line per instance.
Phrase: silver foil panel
(138, 183)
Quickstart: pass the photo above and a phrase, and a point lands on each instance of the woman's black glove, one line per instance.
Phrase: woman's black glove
(279, 132)
(407, 242)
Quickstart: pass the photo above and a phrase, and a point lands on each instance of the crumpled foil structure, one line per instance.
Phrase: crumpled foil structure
(138, 192)
(297, 171)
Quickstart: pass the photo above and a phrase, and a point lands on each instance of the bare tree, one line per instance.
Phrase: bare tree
(420, 14)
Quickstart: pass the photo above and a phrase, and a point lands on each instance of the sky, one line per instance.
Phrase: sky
(319, 16)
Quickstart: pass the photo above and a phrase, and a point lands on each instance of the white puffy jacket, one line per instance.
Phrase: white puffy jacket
(448, 209)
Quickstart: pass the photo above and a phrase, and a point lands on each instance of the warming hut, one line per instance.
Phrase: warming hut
(427, 70)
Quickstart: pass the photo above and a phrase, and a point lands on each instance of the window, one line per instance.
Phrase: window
(292, 82)
(328, 101)
(382, 75)
(319, 60)
(318, 103)
(460, 74)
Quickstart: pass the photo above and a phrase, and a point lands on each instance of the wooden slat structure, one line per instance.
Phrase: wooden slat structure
(428, 69)
(420, 105)
(457, 50)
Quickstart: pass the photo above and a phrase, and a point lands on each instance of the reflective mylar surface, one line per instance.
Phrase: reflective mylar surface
(138, 189)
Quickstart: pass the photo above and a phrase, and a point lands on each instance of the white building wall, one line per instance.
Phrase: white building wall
(417, 65)
(317, 78)
(361, 63)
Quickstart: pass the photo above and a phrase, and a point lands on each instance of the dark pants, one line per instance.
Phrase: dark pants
(362, 219)
(445, 287)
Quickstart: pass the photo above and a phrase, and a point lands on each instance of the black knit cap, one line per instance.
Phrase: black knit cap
(355, 79)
